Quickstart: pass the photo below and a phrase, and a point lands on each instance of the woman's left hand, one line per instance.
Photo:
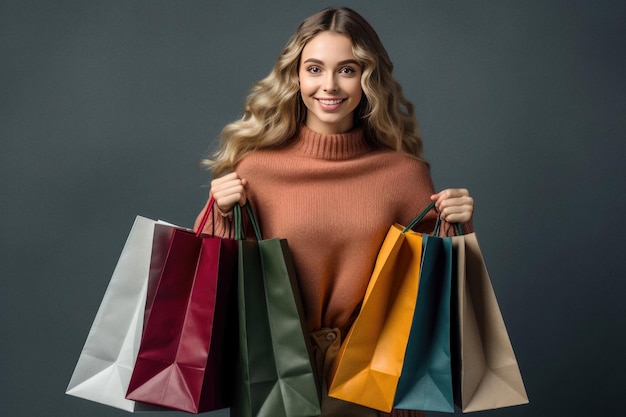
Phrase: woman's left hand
(454, 205)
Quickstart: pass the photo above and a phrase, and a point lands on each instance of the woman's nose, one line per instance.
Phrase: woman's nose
(330, 83)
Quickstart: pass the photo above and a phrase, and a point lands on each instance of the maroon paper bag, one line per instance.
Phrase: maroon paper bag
(186, 356)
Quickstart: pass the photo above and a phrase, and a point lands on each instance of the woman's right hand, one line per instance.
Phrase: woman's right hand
(228, 191)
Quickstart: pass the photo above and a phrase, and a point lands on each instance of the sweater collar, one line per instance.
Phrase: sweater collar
(332, 147)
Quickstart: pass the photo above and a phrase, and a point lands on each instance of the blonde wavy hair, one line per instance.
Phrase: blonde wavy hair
(274, 110)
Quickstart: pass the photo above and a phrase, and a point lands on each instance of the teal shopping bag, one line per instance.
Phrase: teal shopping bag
(426, 379)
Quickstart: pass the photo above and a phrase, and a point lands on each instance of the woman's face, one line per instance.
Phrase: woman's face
(330, 83)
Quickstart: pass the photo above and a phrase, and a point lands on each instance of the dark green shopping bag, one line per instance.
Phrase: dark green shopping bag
(426, 379)
(277, 378)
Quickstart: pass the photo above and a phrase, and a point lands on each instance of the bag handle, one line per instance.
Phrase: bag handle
(205, 218)
(419, 217)
(458, 230)
(239, 222)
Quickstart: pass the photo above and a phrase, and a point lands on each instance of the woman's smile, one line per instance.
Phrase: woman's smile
(330, 104)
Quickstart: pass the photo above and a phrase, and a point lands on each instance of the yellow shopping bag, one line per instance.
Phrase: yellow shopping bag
(369, 363)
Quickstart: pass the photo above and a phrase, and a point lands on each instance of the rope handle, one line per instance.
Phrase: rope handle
(419, 217)
(458, 230)
(205, 218)
(239, 222)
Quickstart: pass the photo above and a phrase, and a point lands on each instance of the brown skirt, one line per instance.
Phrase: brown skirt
(326, 343)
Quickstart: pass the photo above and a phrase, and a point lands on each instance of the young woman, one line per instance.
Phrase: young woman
(329, 154)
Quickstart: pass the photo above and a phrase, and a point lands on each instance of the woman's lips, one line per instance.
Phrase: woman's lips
(330, 103)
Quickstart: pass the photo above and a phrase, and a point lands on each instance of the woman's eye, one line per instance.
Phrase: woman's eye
(314, 70)
(347, 70)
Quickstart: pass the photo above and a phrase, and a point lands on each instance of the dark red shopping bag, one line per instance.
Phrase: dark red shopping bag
(186, 356)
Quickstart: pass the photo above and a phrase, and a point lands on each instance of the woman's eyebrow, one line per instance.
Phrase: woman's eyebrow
(345, 62)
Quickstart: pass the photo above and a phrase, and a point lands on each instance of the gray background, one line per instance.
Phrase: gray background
(107, 106)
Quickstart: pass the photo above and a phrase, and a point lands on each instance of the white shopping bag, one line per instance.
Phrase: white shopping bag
(106, 362)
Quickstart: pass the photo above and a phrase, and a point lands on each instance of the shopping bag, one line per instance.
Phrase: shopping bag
(426, 379)
(369, 362)
(277, 378)
(487, 369)
(106, 361)
(185, 359)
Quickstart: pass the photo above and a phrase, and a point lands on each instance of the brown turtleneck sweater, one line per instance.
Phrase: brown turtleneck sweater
(333, 198)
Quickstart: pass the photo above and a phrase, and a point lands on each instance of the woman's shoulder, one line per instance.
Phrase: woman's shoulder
(264, 161)
(400, 161)
(404, 175)
(261, 156)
